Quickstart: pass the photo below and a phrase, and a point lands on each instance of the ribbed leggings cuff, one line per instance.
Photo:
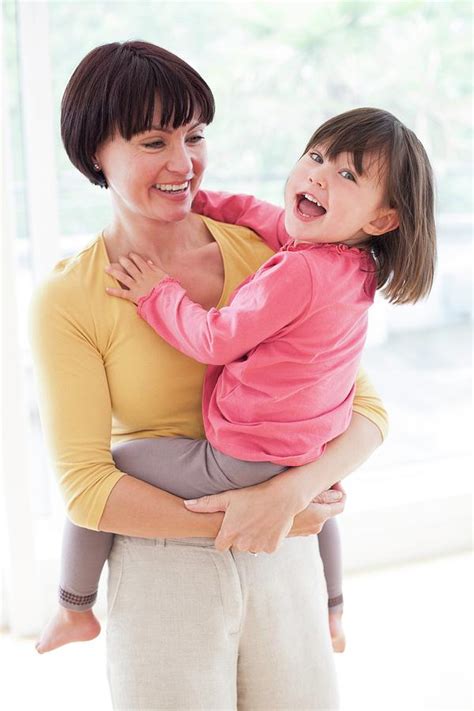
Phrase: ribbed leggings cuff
(336, 601)
(71, 601)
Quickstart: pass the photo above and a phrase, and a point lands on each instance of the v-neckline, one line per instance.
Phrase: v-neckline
(210, 224)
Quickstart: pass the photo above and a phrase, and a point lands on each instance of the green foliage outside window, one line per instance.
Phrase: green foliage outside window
(278, 70)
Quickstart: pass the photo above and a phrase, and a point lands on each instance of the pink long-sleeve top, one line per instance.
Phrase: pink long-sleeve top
(283, 355)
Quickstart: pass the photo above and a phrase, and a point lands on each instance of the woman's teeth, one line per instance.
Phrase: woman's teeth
(168, 188)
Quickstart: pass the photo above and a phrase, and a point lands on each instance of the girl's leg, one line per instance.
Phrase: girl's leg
(331, 555)
(184, 467)
(330, 550)
(181, 466)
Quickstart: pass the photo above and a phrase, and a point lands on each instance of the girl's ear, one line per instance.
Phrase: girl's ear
(387, 222)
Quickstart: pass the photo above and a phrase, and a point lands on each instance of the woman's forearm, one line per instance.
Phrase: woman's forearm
(135, 508)
(138, 509)
(342, 456)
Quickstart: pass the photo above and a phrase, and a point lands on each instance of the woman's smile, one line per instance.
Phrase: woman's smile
(173, 191)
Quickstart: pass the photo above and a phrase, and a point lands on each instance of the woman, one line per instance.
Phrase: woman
(189, 626)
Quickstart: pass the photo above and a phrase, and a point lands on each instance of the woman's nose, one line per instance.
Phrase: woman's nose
(179, 160)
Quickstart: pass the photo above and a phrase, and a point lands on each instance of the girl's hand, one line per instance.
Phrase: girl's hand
(137, 274)
(258, 520)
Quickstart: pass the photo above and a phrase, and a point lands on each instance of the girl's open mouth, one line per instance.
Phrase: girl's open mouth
(308, 206)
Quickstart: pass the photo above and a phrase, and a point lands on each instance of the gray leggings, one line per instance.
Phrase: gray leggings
(189, 469)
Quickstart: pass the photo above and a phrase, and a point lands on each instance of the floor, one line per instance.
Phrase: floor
(409, 649)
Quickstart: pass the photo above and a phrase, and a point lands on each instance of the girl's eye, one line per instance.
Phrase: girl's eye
(317, 157)
(196, 139)
(346, 174)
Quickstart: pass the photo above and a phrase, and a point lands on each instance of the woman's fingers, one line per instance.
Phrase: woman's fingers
(208, 504)
(312, 518)
(328, 497)
(223, 542)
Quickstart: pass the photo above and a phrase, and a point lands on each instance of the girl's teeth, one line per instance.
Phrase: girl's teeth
(312, 199)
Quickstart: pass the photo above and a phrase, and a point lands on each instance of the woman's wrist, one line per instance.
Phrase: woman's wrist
(289, 490)
(341, 456)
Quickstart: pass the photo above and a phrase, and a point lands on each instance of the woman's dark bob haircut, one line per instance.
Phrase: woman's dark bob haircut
(406, 256)
(114, 89)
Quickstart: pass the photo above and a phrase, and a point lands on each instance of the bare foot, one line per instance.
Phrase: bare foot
(337, 633)
(68, 626)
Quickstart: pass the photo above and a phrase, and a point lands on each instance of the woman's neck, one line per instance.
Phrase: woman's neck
(151, 238)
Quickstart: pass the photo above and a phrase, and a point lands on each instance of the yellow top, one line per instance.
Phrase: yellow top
(105, 376)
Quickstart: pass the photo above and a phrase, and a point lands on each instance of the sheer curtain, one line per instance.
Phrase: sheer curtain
(30, 505)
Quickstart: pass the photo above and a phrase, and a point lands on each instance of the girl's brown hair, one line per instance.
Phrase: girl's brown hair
(406, 256)
(115, 87)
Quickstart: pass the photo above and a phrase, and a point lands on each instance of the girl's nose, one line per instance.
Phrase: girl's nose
(318, 179)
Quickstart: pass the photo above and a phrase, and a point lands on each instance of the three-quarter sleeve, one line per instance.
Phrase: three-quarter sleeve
(74, 398)
(368, 403)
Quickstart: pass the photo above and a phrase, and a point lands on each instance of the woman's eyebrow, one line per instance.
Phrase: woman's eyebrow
(165, 129)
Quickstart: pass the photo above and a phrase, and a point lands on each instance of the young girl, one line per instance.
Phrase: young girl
(283, 355)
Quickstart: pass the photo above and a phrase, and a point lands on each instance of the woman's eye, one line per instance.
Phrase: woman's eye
(196, 139)
(154, 144)
(317, 157)
(346, 174)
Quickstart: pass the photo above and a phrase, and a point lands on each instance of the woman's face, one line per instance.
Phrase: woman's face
(155, 174)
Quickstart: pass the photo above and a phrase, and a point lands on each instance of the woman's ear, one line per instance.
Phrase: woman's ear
(387, 222)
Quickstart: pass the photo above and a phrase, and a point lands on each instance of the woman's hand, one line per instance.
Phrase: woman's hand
(137, 274)
(314, 516)
(258, 519)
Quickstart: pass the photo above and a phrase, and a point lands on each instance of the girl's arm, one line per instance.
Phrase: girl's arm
(76, 417)
(265, 219)
(260, 308)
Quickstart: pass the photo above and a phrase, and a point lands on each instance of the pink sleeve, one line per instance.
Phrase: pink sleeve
(265, 219)
(278, 293)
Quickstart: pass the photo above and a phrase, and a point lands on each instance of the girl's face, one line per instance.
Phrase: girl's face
(327, 201)
(155, 174)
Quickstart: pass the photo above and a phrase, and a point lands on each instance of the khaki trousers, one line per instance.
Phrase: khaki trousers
(193, 628)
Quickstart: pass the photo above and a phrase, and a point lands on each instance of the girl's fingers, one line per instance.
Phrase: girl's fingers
(121, 293)
(121, 276)
(141, 263)
(130, 266)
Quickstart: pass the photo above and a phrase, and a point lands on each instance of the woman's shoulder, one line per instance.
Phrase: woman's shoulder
(72, 274)
(69, 289)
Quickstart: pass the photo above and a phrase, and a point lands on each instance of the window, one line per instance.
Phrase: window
(277, 70)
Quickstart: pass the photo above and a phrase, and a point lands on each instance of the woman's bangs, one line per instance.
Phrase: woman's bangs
(180, 103)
